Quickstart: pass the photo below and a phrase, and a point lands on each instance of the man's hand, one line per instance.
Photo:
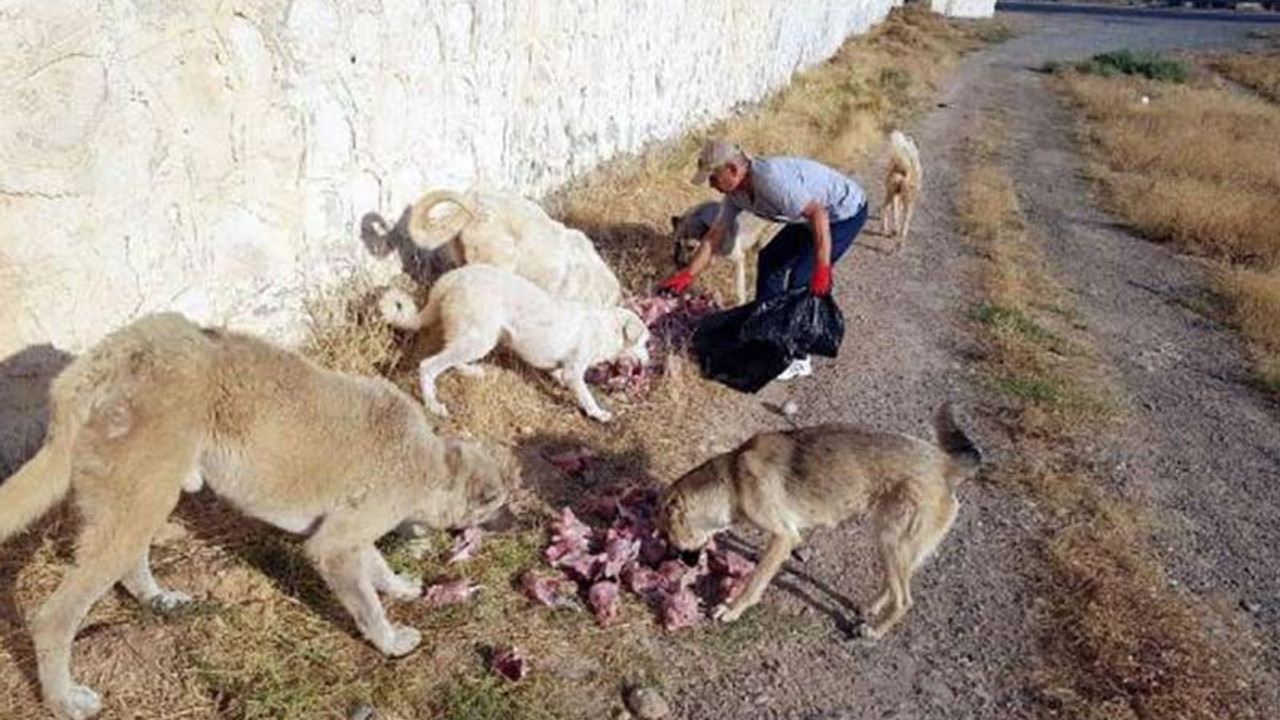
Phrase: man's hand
(820, 285)
(677, 283)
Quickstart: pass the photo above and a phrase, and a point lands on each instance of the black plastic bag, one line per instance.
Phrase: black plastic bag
(747, 347)
(798, 321)
(725, 357)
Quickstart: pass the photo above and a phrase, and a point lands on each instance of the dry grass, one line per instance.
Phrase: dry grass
(1196, 166)
(1255, 310)
(1200, 167)
(1119, 641)
(268, 641)
(1259, 72)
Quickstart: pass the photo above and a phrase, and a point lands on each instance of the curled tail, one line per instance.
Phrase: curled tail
(399, 310)
(965, 456)
(906, 154)
(420, 222)
(37, 486)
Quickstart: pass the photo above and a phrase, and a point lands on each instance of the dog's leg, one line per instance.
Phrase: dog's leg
(471, 370)
(386, 581)
(906, 223)
(884, 212)
(142, 585)
(125, 512)
(575, 377)
(337, 549)
(907, 538)
(460, 351)
(779, 549)
(740, 276)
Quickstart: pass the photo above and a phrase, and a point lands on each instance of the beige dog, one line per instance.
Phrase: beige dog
(747, 233)
(480, 307)
(785, 482)
(901, 187)
(515, 234)
(163, 406)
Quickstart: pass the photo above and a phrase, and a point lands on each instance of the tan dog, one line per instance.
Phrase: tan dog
(162, 405)
(748, 232)
(901, 187)
(785, 482)
(480, 307)
(516, 234)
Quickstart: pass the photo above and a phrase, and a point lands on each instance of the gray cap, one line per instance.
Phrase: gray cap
(715, 155)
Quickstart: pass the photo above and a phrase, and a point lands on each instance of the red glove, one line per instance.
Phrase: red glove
(678, 283)
(821, 283)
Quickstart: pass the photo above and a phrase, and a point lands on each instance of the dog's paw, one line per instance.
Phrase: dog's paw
(169, 600)
(603, 416)
(404, 588)
(403, 642)
(436, 408)
(79, 703)
(726, 614)
(471, 370)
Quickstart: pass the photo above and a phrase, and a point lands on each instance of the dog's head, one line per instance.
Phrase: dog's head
(687, 231)
(483, 477)
(693, 509)
(635, 337)
(686, 234)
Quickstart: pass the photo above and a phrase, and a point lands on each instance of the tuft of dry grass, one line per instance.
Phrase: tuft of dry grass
(1255, 300)
(1199, 166)
(1260, 72)
(1119, 641)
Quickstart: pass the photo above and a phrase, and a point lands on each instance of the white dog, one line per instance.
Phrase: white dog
(482, 306)
(901, 186)
(747, 232)
(513, 233)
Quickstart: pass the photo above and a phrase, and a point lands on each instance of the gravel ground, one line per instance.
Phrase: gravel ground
(1206, 448)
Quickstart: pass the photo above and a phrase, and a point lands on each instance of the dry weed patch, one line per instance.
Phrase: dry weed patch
(1119, 640)
(1198, 166)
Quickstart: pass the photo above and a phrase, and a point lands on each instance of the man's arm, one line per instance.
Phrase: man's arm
(820, 223)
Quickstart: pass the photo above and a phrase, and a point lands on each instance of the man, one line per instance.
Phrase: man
(823, 209)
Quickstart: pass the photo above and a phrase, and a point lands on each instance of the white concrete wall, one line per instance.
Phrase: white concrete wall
(215, 156)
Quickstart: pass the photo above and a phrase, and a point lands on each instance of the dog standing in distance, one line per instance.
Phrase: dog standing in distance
(785, 482)
(163, 406)
(748, 232)
(901, 187)
(481, 306)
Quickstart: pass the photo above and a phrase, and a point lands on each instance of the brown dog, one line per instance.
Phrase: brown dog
(162, 405)
(785, 482)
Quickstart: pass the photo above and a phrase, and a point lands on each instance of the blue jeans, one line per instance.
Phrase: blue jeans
(787, 261)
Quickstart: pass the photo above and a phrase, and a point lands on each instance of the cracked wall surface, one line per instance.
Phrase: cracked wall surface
(215, 157)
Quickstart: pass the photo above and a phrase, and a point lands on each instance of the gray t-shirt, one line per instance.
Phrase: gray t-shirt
(783, 186)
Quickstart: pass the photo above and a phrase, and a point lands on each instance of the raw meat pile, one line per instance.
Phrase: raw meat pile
(629, 554)
(671, 322)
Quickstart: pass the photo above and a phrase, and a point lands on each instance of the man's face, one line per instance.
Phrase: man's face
(729, 177)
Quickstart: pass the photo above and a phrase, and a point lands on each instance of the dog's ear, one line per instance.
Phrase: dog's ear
(633, 328)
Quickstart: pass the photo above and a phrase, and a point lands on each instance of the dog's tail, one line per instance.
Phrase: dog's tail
(399, 310)
(420, 222)
(906, 154)
(37, 486)
(965, 456)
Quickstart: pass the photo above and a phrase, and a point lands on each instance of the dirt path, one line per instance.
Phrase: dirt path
(1205, 451)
